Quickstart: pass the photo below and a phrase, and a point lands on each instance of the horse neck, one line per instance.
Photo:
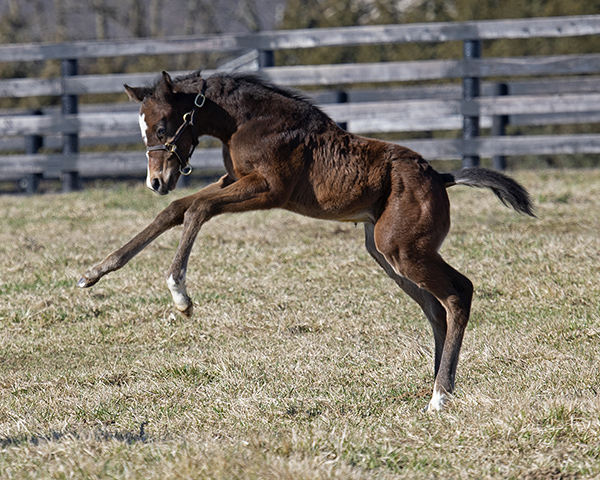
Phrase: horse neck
(216, 120)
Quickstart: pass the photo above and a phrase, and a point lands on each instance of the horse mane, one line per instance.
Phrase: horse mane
(257, 80)
(190, 83)
(244, 81)
(237, 88)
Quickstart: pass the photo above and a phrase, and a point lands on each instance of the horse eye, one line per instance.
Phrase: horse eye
(160, 131)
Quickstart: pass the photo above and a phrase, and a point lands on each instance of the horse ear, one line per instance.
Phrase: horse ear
(167, 80)
(164, 87)
(137, 94)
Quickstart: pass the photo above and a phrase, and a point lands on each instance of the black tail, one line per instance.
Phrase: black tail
(510, 193)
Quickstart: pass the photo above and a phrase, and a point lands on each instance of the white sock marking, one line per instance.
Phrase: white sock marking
(178, 291)
(437, 400)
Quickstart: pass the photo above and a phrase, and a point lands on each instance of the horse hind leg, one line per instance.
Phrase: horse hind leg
(432, 308)
(413, 255)
(455, 294)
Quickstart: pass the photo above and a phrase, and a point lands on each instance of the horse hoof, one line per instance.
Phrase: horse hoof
(187, 312)
(85, 283)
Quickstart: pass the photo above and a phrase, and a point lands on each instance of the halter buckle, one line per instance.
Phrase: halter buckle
(171, 147)
(203, 99)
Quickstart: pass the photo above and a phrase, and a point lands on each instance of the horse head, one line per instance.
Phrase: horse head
(166, 123)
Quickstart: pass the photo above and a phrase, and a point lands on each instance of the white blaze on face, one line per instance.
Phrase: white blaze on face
(148, 179)
(144, 128)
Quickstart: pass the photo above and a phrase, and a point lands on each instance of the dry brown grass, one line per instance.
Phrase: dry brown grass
(303, 361)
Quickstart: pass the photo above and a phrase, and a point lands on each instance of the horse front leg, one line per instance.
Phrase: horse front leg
(170, 217)
(249, 193)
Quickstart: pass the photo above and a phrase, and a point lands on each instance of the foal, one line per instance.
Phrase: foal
(280, 151)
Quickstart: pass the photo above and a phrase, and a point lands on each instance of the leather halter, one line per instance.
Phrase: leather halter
(188, 120)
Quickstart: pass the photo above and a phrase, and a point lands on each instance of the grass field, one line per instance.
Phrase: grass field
(303, 360)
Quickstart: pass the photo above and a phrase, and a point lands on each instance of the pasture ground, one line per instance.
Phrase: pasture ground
(303, 360)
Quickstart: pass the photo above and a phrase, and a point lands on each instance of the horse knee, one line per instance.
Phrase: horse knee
(173, 214)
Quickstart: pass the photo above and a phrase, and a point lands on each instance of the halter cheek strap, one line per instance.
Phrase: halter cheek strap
(188, 120)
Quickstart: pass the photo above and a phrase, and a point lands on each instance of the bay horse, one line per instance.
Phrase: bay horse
(281, 151)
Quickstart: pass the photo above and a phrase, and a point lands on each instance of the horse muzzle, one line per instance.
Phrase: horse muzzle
(158, 185)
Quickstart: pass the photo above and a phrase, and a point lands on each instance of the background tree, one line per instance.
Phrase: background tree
(334, 13)
(137, 18)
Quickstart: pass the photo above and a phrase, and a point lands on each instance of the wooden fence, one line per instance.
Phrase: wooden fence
(562, 89)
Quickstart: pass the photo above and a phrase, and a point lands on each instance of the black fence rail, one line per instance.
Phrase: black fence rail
(562, 89)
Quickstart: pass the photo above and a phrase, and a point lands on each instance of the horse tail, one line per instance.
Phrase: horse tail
(510, 192)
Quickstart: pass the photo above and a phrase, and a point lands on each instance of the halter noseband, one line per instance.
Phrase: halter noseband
(188, 120)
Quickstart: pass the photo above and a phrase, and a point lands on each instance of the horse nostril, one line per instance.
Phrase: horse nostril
(155, 184)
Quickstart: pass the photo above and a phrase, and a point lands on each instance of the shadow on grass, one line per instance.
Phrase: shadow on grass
(99, 435)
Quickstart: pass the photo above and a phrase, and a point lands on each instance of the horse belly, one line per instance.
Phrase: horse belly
(344, 179)
(334, 201)
(324, 213)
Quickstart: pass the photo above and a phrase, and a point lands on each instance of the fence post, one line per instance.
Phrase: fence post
(266, 58)
(499, 123)
(30, 183)
(471, 86)
(70, 179)
(341, 97)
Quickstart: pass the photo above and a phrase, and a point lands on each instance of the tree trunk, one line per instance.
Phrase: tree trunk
(137, 16)
(155, 18)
